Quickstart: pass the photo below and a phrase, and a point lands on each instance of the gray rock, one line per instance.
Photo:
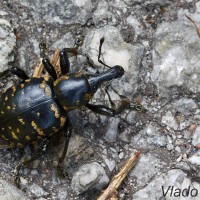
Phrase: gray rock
(176, 58)
(66, 40)
(112, 130)
(169, 120)
(161, 2)
(196, 137)
(174, 177)
(149, 137)
(89, 176)
(111, 164)
(10, 192)
(7, 44)
(133, 21)
(37, 190)
(147, 167)
(60, 11)
(101, 13)
(195, 159)
(185, 106)
(125, 135)
(115, 52)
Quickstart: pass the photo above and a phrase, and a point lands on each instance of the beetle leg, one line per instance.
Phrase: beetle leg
(41, 149)
(100, 46)
(49, 67)
(105, 110)
(64, 61)
(16, 71)
(67, 134)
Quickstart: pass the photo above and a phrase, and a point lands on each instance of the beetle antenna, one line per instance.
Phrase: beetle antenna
(100, 46)
(109, 97)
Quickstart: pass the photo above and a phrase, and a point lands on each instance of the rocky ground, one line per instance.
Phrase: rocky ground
(159, 49)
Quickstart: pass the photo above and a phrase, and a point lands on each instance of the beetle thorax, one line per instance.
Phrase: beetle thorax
(72, 91)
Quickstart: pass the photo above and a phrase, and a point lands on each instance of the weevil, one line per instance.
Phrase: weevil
(38, 107)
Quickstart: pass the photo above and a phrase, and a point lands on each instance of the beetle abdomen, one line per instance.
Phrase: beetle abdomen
(29, 112)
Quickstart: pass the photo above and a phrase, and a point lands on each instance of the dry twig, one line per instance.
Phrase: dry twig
(196, 27)
(111, 192)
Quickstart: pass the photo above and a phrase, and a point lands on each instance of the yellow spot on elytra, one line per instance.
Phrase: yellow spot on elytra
(22, 85)
(62, 121)
(55, 129)
(2, 129)
(3, 136)
(47, 91)
(21, 120)
(67, 108)
(14, 136)
(18, 131)
(42, 85)
(34, 143)
(28, 137)
(53, 107)
(77, 102)
(87, 96)
(46, 78)
(19, 144)
(2, 112)
(6, 98)
(8, 107)
(39, 131)
(78, 74)
(60, 79)
(12, 144)
(14, 106)
(14, 89)
(38, 114)
(9, 127)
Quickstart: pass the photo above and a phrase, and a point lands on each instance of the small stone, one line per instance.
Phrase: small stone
(34, 172)
(37, 190)
(89, 176)
(195, 159)
(179, 142)
(196, 137)
(110, 164)
(184, 158)
(23, 181)
(170, 147)
(112, 130)
(178, 149)
(179, 159)
(10, 192)
(7, 44)
(92, 118)
(169, 120)
(36, 163)
(121, 155)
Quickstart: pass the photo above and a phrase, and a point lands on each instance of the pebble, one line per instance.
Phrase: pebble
(7, 44)
(10, 192)
(37, 190)
(89, 176)
(112, 130)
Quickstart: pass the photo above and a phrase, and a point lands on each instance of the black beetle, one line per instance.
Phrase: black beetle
(37, 108)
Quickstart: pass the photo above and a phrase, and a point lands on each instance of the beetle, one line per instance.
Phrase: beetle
(38, 107)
